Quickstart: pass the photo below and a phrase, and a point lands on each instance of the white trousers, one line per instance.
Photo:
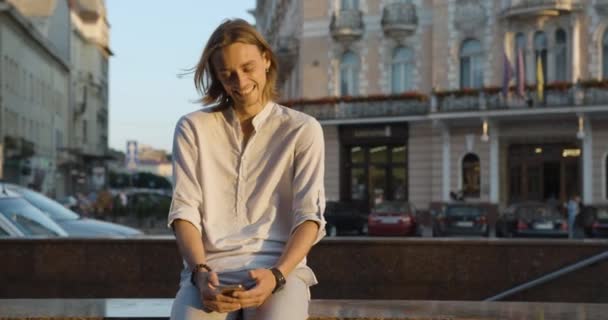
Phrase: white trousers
(290, 303)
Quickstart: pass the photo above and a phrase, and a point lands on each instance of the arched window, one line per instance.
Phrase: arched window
(471, 177)
(471, 64)
(520, 53)
(561, 49)
(349, 4)
(349, 74)
(401, 70)
(605, 55)
(540, 53)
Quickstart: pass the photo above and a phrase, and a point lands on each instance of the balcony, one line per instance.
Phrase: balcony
(399, 20)
(347, 26)
(537, 8)
(583, 94)
(352, 108)
(287, 54)
(602, 7)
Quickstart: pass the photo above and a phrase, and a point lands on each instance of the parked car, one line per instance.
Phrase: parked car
(392, 218)
(460, 219)
(18, 218)
(531, 219)
(344, 217)
(594, 220)
(149, 203)
(70, 221)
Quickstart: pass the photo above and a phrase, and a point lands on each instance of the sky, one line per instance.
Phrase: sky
(153, 42)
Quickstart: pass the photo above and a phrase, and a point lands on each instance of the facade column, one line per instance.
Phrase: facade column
(587, 162)
(494, 163)
(445, 172)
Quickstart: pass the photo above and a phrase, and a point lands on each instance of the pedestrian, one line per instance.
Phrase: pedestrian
(248, 195)
(573, 207)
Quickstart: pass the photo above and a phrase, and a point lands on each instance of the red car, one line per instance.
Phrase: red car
(392, 218)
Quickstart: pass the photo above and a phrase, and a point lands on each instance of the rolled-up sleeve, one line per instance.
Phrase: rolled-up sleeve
(187, 190)
(308, 180)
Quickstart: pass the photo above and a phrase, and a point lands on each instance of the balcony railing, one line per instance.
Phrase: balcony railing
(554, 95)
(344, 108)
(523, 8)
(399, 19)
(347, 25)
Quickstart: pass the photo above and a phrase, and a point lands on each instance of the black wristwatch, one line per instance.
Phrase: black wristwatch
(280, 279)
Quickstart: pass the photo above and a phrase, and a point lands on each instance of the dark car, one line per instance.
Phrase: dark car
(344, 217)
(594, 220)
(531, 219)
(18, 218)
(74, 224)
(392, 218)
(460, 219)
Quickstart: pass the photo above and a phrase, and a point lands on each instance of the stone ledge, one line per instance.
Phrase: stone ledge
(94, 309)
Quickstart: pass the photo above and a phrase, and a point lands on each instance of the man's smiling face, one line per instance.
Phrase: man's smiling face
(241, 68)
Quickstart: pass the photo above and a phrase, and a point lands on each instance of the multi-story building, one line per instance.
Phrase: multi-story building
(54, 106)
(502, 100)
(90, 53)
(34, 93)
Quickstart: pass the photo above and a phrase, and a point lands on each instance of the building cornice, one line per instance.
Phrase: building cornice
(27, 26)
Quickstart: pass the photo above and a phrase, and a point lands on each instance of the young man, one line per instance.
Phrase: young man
(248, 199)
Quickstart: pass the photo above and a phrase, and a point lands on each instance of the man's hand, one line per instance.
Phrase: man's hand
(256, 296)
(210, 298)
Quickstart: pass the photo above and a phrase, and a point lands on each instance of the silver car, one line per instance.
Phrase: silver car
(74, 224)
(18, 218)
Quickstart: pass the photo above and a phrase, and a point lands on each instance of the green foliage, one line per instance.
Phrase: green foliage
(138, 180)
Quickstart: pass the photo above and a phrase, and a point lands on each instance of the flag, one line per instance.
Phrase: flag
(507, 75)
(540, 79)
(521, 74)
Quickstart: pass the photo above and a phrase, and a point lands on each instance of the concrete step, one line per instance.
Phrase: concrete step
(88, 309)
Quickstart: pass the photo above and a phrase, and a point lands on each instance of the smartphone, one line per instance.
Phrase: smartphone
(228, 290)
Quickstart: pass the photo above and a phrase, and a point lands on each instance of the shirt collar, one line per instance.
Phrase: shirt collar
(263, 115)
(258, 120)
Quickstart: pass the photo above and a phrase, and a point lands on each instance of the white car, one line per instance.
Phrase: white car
(20, 219)
(74, 224)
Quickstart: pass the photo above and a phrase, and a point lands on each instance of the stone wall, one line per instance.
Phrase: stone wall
(347, 268)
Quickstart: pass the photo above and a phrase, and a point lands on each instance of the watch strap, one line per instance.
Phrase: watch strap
(279, 279)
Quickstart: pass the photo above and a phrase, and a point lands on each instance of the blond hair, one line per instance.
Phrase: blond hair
(206, 80)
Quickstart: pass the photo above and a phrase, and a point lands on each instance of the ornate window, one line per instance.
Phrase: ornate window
(520, 53)
(349, 74)
(471, 64)
(471, 176)
(561, 49)
(401, 70)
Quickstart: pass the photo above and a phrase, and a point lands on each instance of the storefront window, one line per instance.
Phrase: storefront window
(378, 173)
(377, 184)
(399, 184)
(357, 154)
(358, 189)
(379, 154)
(399, 154)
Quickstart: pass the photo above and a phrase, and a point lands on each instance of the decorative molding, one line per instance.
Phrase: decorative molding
(469, 15)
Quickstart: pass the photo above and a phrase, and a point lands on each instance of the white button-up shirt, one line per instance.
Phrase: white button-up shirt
(247, 200)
